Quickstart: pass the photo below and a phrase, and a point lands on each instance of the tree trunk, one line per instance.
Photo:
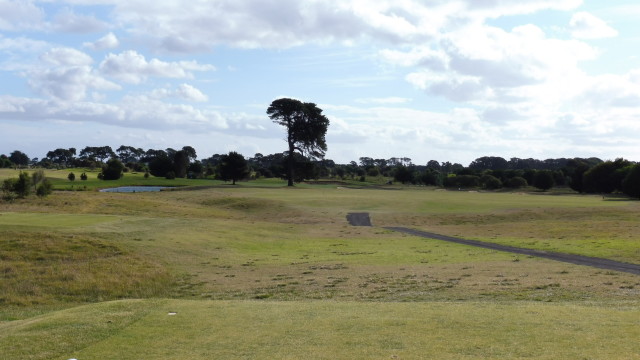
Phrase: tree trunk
(290, 163)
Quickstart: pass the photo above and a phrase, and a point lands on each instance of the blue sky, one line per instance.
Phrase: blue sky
(430, 80)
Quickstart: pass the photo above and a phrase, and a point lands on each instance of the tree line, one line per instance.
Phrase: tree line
(306, 128)
(584, 175)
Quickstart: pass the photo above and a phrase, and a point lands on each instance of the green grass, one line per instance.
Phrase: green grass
(260, 270)
(326, 330)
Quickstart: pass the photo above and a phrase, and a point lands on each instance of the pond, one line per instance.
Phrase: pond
(133, 189)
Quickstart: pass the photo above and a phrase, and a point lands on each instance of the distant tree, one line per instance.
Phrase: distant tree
(575, 170)
(195, 170)
(71, 176)
(543, 180)
(373, 172)
(5, 162)
(233, 167)
(160, 164)
(489, 163)
(98, 153)
(83, 176)
(433, 165)
(180, 163)
(631, 183)
(129, 154)
(62, 157)
(516, 182)
(490, 182)
(112, 170)
(191, 153)
(306, 129)
(403, 174)
(19, 158)
(430, 177)
(462, 181)
(605, 177)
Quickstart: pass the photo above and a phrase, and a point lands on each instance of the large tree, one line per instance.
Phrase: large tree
(19, 158)
(99, 153)
(233, 167)
(63, 157)
(306, 129)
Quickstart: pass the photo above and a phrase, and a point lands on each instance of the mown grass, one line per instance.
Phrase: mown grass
(326, 330)
(254, 244)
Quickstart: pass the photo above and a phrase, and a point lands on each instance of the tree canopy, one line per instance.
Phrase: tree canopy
(306, 129)
(233, 167)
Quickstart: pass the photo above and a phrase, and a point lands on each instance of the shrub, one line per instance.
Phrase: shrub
(373, 172)
(112, 170)
(516, 182)
(170, 175)
(459, 181)
(83, 176)
(71, 177)
(490, 182)
(36, 178)
(20, 187)
(44, 188)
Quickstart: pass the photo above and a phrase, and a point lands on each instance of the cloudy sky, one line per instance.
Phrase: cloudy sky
(449, 80)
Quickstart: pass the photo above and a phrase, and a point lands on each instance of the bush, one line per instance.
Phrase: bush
(490, 182)
(83, 176)
(170, 175)
(516, 182)
(71, 177)
(36, 178)
(112, 170)
(44, 188)
(20, 187)
(462, 181)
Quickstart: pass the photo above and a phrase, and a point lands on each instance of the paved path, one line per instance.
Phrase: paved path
(361, 219)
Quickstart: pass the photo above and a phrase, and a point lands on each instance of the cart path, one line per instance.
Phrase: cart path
(362, 219)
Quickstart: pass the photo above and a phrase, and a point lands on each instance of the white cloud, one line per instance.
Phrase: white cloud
(69, 83)
(184, 92)
(109, 41)
(68, 21)
(190, 93)
(133, 112)
(66, 57)
(132, 67)
(584, 25)
(16, 15)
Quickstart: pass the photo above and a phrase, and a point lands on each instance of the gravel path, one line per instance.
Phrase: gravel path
(362, 219)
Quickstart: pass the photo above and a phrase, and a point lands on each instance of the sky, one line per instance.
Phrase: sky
(445, 80)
